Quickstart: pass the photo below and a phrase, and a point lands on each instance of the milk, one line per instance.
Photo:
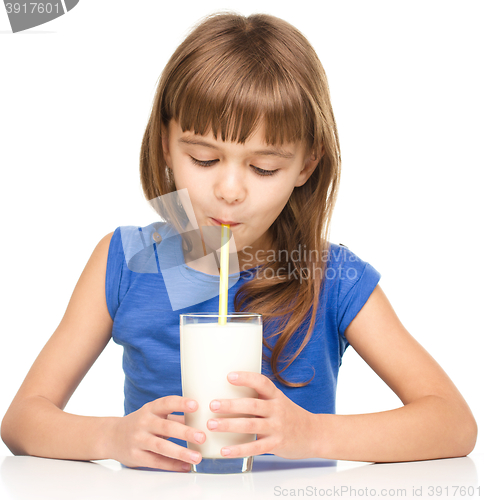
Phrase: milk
(209, 352)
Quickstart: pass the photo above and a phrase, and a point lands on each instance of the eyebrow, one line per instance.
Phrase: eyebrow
(271, 151)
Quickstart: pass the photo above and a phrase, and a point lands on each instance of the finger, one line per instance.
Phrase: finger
(264, 387)
(258, 447)
(172, 450)
(156, 461)
(169, 428)
(169, 404)
(176, 418)
(239, 425)
(247, 406)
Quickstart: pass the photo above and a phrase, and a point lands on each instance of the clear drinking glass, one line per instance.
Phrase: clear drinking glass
(209, 351)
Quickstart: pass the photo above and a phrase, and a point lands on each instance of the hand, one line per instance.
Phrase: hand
(282, 427)
(139, 439)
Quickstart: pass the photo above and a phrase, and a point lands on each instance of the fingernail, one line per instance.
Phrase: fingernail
(186, 467)
(212, 424)
(225, 451)
(194, 456)
(198, 437)
(233, 376)
(215, 405)
(191, 405)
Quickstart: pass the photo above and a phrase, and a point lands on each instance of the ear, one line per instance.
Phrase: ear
(309, 166)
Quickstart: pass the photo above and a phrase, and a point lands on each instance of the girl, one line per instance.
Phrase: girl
(243, 122)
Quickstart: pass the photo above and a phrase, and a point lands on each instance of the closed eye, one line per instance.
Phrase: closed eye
(259, 171)
(203, 163)
(209, 163)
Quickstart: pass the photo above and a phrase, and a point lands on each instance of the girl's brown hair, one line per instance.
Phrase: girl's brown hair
(229, 75)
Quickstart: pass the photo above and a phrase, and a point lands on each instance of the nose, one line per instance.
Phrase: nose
(230, 186)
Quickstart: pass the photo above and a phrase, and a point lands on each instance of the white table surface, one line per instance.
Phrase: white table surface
(27, 478)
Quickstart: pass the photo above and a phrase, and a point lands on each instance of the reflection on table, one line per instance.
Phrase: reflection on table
(39, 478)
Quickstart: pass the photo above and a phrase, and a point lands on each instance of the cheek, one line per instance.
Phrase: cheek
(194, 202)
(182, 176)
(274, 198)
(186, 172)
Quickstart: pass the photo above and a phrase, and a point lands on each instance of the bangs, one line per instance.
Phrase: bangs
(234, 93)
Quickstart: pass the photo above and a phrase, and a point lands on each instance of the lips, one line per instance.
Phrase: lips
(219, 222)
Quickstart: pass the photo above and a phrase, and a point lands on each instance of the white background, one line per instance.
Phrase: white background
(406, 82)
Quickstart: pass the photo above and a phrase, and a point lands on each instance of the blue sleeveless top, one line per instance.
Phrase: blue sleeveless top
(145, 305)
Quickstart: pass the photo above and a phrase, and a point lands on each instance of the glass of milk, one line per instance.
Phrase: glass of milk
(209, 351)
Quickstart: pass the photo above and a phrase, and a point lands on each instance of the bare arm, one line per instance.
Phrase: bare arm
(435, 421)
(35, 423)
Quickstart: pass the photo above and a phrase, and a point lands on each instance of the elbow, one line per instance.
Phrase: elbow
(458, 429)
(470, 440)
(464, 434)
(7, 433)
